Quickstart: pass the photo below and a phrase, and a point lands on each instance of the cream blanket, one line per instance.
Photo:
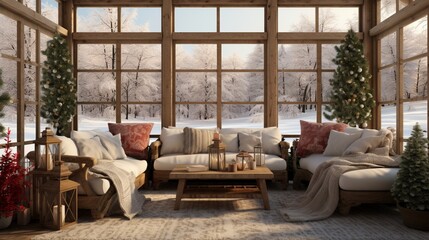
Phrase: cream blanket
(130, 200)
(321, 198)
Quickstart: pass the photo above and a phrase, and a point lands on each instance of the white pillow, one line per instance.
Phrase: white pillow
(271, 137)
(92, 147)
(338, 142)
(364, 145)
(353, 130)
(113, 145)
(173, 140)
(370, 133)
(249, 140)
(231, 141)
(68, 147)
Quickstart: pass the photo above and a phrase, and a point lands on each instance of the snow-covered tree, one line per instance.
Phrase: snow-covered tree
(351, 95)
(4, 100)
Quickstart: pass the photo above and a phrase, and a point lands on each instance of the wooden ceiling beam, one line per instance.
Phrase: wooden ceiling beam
(319, 3)
(22, 13)
(122, 3)
(312, 36)
(113, 37)
(412, 12)
(220, 36)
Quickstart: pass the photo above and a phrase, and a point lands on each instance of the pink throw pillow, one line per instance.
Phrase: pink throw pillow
(134, 137)
(314, 137)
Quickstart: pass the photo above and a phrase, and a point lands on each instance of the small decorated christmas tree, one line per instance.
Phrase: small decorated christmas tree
(4, 100)
(411, 186)
(58, 86)
(351, 94)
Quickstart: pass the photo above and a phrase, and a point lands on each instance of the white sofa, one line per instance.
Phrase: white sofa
(84, 150)
(371, 185)
(169, 151)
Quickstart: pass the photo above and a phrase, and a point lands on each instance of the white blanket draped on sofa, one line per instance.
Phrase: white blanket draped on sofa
(130, 200)
(321, 198)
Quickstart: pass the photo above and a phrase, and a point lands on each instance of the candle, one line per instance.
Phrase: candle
(62, 215)
(216, 136)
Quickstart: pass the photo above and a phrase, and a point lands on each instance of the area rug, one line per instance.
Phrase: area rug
(238, 219)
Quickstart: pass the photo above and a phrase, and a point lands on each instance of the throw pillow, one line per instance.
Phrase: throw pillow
(314, 137)
(172, 140)
(363, 145)
(246, 141)
(382, 151)
(113, 145)
(338, 142)
(271, 137)
(231, 141)
(68, 146)
(92, 147)
(134, 137)
(197, 140)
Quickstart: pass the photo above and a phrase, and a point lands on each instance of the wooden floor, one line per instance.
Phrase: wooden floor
(15, 231)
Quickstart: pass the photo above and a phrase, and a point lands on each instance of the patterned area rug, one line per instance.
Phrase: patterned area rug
(238, 219)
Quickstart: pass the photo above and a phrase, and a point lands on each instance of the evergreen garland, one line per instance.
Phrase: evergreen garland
(351, 94)
(4, 100)
(411, 186)
(58, 86)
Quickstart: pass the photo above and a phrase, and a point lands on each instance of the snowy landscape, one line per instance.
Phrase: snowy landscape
(196, 81)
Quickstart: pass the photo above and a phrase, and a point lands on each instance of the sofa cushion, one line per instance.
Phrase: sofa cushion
(312, 161)
(364, 145)
(92, 147)
(173, 140)
(168, 162)
(197, 140)
(314, 137)
(373, 179)
(113, 145)
(134, 137)
(101, 185)
(230, 140)
(338, 142)
(247, 141)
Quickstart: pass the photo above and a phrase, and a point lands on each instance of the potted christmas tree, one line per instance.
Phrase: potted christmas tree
(58, 86)
(411, 187)
(351, 96)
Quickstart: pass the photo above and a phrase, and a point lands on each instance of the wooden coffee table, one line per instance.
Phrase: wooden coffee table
(260, 174)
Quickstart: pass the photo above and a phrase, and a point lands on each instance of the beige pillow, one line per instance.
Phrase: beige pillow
(113, 145)
(197, 140)
(92, 147)
(173, 140)
(230, 140)
(382, 151)
(338, 142)
(364, 145)
(247, 141)
(271, 137)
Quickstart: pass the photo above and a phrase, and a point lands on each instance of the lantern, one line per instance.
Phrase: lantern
(242, 158)
(259, 155)
(45, 150)
(59, 199)
(217, 158)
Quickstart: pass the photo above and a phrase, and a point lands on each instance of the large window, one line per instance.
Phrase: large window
(403, 77)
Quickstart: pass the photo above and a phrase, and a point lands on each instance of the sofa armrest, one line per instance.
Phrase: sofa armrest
(81, 175)
(284, 150)
(155, 149)
(294, 156)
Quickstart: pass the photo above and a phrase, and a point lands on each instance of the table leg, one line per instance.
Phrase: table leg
(179, 193)
(263, 188)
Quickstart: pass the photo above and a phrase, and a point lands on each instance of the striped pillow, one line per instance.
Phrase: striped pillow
(197, 140)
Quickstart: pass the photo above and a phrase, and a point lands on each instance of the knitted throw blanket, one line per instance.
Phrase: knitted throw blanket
(130, 200)
(322, 195)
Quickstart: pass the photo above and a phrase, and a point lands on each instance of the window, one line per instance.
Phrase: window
(297, 19)
(242, 20)
(97, 19)
(141, 19)
(194, 19)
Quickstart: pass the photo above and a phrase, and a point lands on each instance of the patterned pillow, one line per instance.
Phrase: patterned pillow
(134, 137)
(314, 137)
(197, 140)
